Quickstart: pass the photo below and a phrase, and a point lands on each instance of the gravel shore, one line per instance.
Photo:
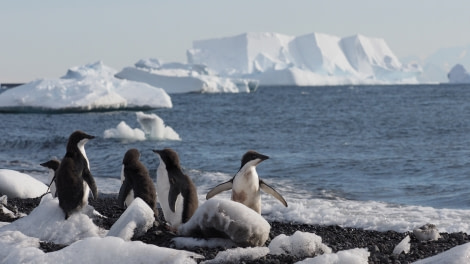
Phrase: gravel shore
(379, 244)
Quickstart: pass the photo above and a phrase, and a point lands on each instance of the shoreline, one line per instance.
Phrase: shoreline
(379, 244)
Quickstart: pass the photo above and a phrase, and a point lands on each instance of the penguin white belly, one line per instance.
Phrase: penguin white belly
(52, 187)
(163, 188)
(245, 189)
(86, 193)
(86, 188)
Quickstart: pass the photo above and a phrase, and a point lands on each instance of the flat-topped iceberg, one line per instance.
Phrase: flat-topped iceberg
(84, 88)
(184, 78)
(311, 59)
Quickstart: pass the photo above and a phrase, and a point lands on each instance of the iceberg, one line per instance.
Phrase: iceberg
(458, 74)
(184, 78)
(83, 88)
(439, 64)
(311, 59)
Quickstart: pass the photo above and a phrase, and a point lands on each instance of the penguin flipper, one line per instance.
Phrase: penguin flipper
(219, 188)
(91, 183)
(123, 192)
(268, 189)
(172, 196)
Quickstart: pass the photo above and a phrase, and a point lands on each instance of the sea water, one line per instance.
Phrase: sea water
(375, 157)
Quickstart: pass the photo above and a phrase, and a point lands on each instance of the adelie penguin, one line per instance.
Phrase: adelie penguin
(246, 184)
(176, 191)
(52, 165)
(73, 177)
(136, 182)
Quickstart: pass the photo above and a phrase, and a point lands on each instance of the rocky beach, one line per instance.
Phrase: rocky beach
(379, 244)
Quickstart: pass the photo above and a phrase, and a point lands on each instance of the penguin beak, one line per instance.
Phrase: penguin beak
(156, 151)
(263, 157)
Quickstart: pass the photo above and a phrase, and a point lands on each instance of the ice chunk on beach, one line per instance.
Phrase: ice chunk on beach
(350, 256)
(427, 232)
(238, 255)
(300, 244)
(15, 184)
(83, 88)
(403, 246)
(47, 222)
(136, 220)
(153, 127)
(218, 217)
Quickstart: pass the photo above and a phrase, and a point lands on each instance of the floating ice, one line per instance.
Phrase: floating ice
(83, 88)
(300, 244)
(15, 184)
(350, 256)
(125, 132)
(137, 219)
(217, 217)
(152, 126)
(184, 78)
(458, 74)
(311, 59)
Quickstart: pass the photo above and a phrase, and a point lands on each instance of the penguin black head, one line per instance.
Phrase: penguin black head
(130, 156)
(252, 155)
(169, 156)
(51, 164)
(76, 138)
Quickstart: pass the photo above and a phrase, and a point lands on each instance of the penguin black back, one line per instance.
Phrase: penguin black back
(72, 174)
(180, 183)
(137, 178)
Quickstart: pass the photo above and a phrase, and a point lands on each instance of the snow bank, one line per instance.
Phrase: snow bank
(456, 255)
(15, 184)
(184, 78)
(47, 222)
(153, 127)
(321, 58)
(217, 217)
(136, 220)
(83, 88)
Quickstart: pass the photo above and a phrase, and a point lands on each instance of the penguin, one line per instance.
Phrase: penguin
(52, 165)
(137, 182)
(73, 177)
(177, 193)
(246, 184)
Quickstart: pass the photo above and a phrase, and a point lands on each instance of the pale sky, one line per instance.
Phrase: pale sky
(42, 39)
